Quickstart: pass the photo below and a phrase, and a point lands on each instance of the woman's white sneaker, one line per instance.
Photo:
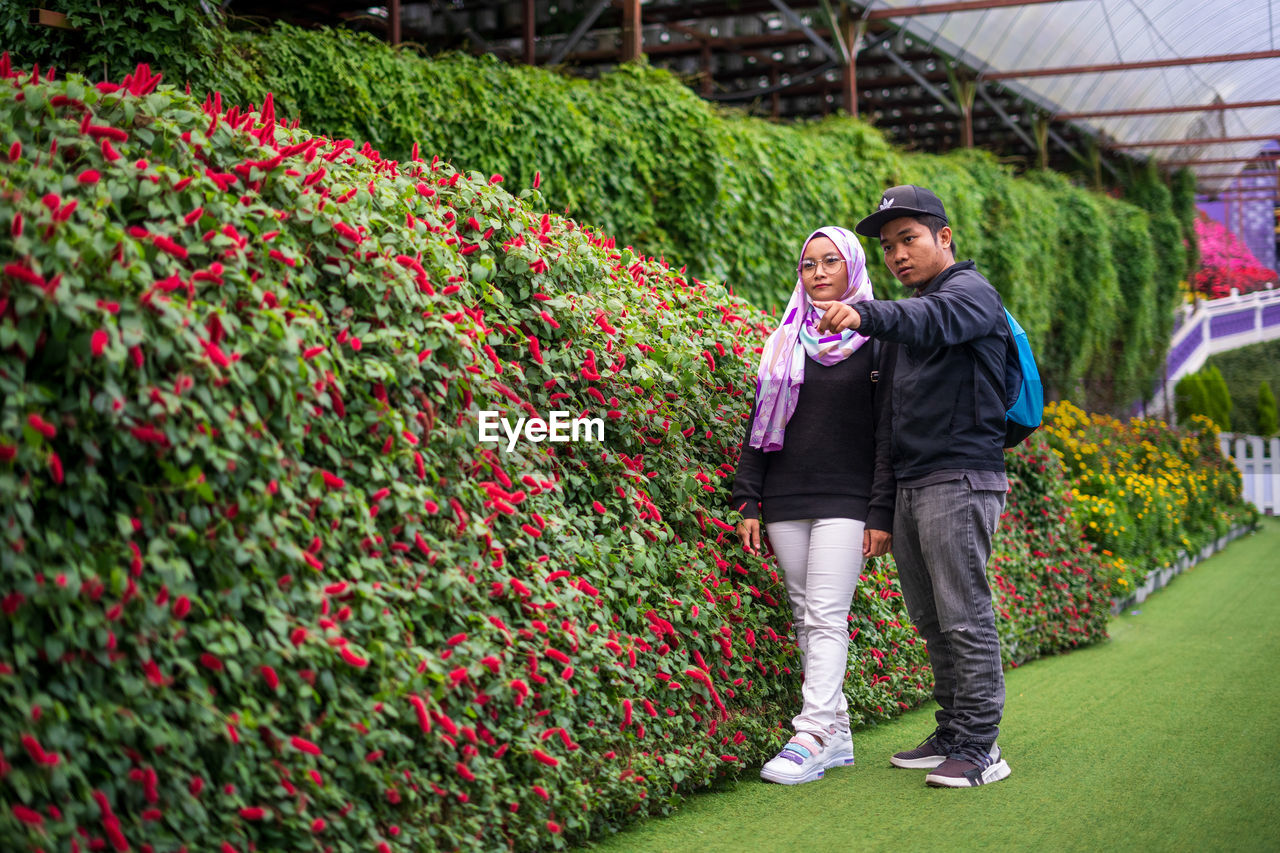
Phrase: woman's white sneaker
(839, 751)
(803, 759)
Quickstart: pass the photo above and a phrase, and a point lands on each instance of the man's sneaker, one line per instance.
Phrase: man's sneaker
(803, 759)
(931, 752)
(968, 766)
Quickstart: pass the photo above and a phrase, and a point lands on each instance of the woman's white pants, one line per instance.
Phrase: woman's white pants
(821, 559)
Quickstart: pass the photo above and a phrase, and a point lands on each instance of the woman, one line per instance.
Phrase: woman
(816, 461)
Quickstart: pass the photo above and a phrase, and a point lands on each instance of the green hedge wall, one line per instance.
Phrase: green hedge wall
(261, 585)
(637, 154)
(1244, 370)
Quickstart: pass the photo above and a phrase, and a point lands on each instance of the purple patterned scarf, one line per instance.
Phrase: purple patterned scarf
(781, 371)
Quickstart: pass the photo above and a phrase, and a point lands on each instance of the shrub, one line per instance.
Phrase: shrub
(1142, 491)
(262, 585)
(1243, 370)
(109, 39)
(1050, 587)
(1204, 393)
(1268, 420)
(1226, 263)
(640, 156)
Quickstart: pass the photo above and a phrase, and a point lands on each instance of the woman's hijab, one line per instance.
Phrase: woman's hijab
(781, 371)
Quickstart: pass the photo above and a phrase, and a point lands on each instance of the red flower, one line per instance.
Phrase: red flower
(304, 745)
(98, 342)
(353, 658)
(42, 426)
(26, 815)
(168, 246)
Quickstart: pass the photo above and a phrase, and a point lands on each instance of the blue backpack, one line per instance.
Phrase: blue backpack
(1022, 387)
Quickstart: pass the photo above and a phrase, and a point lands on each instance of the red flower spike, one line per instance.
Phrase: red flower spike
(28, 816)
(353, 659)
(304, 745)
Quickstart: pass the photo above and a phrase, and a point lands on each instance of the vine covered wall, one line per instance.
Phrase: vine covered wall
(640, 156)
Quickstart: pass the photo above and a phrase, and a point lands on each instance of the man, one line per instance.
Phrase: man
(947, 449)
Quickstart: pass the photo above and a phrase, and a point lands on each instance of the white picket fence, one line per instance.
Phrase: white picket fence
(1259, 462)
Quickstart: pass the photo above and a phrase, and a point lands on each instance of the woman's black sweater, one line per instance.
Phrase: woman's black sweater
(834, 462)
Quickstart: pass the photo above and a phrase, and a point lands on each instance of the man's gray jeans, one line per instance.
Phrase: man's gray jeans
(941, 542)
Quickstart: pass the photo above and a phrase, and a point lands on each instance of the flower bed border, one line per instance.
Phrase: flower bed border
(1160, 578)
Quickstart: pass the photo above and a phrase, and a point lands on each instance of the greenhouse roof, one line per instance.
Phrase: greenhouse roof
(1095, 34)
(1072, 84)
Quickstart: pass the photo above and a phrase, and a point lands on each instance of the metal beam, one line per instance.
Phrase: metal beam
(1130, 66)
(1218, 161)
(579, 31)
(1243, 176)
(748, 94)
(948, 8)
(843, 33)
(632, 31)
(1155, 111)
(799, 24)
(1022, 134)
(528, 32)
(674, 48)
(920, 80)
(1176, 143)
(850, 43)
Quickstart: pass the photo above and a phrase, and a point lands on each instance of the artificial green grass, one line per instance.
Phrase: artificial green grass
(1165, 737)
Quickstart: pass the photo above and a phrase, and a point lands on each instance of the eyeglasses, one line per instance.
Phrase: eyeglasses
(830, 265)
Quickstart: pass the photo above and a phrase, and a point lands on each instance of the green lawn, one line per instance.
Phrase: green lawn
(1167, 737)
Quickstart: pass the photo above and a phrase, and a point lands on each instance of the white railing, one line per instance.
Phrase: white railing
(1259, 462)
(1213, 326)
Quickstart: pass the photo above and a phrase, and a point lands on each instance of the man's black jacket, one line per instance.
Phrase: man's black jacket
(947, 410)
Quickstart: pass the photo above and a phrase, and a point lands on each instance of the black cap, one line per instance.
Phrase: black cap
(906, 200)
